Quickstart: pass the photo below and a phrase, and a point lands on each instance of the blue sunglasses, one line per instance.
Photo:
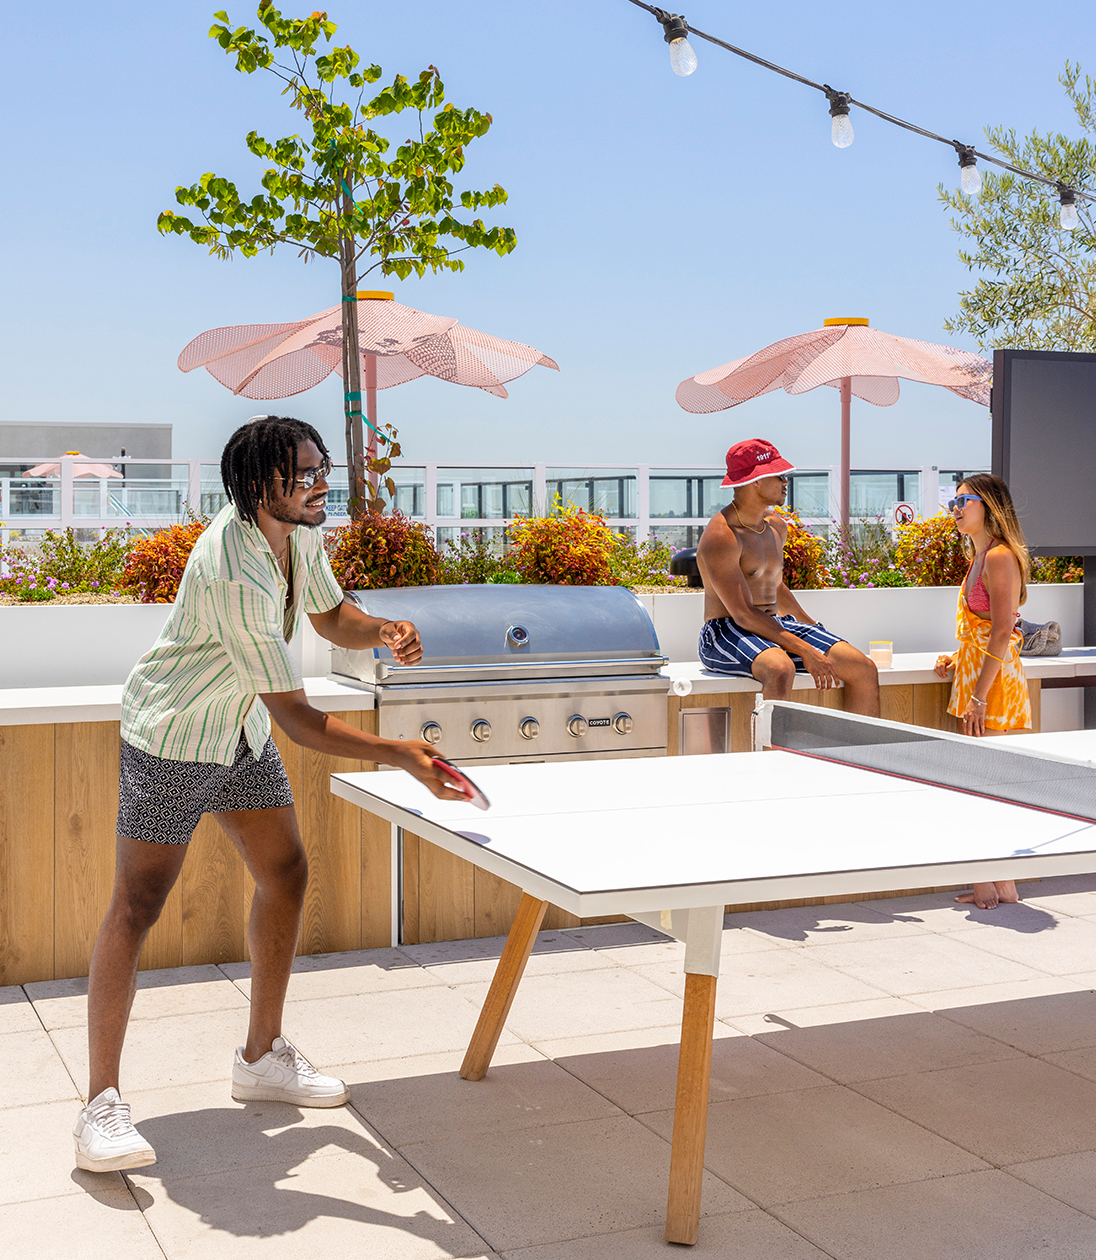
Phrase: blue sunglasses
(961, 500)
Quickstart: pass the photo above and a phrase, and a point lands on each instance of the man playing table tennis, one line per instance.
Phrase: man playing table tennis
(196, 739)
(753, 625)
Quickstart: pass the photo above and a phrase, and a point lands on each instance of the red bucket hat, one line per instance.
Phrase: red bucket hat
(753, 460)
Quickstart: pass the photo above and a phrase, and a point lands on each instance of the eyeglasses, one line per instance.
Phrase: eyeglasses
(961, 500)
(307, 477)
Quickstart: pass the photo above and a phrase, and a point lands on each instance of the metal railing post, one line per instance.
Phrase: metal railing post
(194, 486)
(68, 502)
(643, 502)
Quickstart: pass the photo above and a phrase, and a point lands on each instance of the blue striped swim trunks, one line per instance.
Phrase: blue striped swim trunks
(726, 648)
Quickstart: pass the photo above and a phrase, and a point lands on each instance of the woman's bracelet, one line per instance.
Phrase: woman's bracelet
(975, 700)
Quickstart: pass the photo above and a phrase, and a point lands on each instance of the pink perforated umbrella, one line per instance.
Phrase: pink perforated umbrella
(397, 344)
(78, 470)
(848, 355)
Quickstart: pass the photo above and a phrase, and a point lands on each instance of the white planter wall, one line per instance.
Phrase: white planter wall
(75, 645)
(915, 618)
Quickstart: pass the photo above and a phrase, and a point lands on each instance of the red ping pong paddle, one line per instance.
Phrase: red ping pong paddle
(463, 782)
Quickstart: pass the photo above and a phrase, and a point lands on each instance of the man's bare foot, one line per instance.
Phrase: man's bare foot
(987, 896)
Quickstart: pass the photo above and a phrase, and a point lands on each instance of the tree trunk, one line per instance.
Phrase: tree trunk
(352, 375)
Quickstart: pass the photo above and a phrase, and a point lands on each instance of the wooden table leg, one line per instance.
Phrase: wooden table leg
(694, 1070)
(515, 954)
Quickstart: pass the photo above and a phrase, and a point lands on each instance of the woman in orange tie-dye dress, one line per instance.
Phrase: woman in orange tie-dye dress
(989, 693)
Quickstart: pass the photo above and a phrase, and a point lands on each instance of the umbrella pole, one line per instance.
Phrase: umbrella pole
(846, 425)
(371, 416)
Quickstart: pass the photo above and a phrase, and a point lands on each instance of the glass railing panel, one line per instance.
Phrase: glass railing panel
(609, 492)
(484, 493)
(687, 493)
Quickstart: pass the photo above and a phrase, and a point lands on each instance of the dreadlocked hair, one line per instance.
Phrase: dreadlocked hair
(257, 454)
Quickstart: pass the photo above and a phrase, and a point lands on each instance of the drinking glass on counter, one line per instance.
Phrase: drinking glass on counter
(881, 652)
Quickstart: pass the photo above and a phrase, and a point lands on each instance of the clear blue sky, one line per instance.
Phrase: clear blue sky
(664, 225)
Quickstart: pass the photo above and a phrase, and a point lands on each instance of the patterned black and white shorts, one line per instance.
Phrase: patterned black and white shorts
(162, 800)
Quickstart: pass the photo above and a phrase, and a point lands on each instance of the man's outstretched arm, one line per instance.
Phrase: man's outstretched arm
(347, 626)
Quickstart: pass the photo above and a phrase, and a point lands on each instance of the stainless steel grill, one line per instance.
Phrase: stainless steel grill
(515, 673)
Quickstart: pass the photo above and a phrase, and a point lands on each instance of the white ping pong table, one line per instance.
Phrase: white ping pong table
(671, 841)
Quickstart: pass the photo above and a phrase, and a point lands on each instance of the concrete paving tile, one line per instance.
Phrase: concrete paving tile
(1071, 1178)
(565, 1181)
(816, 925)
(638, 1070)
(750, 1235)
(916, 964)
(332, 975)
(173, 991)
(881, 1044)
(1071, 904)
(978, 1216)
(466, 962)
(36, 1154)
(101, 1223)
(413, 1100)
(198, 1129)
(936, 912)
(16, 1012)
(366, 1202)
(1036, 1023)
(359, 1028)
(736, 941)
(770, 981)
(1007, 1112)
(953, 1002)
(803, 1144)
(756, 1024)
(605, 935)
(1065, 946)
(175, 1050)
(608, 1000)
(1082, 1062)
(31, 1071)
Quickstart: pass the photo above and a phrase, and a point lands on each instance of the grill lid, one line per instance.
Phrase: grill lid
(493, 632)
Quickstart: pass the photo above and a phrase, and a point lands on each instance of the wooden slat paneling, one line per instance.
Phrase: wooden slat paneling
(896, 703)
(1035, 691)
(85, 809)
(447, 898)
(496, 903)
(26, 853)
(930, 706)
(411, 888)
(213, 898)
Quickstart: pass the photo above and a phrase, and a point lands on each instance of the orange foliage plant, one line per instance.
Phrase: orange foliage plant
(154, 566)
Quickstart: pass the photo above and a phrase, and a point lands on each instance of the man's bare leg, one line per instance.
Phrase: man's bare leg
(144, 875)
(270, 845)
(775, 671)
(860, 677)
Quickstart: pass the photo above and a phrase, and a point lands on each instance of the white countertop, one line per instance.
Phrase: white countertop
(29, 706)
(35, 706)
(909, 667)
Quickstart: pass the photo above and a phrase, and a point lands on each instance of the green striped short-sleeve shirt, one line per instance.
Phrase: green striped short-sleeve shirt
(224, 645)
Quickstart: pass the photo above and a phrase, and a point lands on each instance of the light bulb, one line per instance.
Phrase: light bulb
(1069, 217)
(682, 57)
(970, 180)
(841, 132)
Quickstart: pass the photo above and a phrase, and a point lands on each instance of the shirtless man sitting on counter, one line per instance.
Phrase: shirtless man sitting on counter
(753, 625)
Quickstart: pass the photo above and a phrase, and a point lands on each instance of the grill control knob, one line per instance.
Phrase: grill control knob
(622, 724)
(481, 730)
(577, 725)
(530, 728)
(431, 732)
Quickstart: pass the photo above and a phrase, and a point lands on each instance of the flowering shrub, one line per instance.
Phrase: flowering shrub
(569, 548)
(154, 566)
(60, 564)
(476, 557)
(928, 549)
(634, 563)
(1057, 569)
(865, 558)
(378, 550)
(805, 566)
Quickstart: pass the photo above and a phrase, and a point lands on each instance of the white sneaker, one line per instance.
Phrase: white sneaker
(106, 1139)
(281, 1075)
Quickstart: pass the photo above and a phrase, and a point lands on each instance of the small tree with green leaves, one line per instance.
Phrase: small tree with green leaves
(341, 191)
(1037, 288)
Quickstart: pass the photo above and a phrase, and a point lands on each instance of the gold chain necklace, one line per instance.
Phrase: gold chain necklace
(741, 522)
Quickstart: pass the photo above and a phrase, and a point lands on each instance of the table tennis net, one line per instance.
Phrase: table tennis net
(910, 752)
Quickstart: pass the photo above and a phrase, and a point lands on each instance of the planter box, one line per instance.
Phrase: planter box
(87, 645)
(915, 618)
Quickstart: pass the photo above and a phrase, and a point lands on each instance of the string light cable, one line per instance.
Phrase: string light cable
(683, 62)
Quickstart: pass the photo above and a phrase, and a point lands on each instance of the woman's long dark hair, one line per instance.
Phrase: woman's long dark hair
(259, 453)
(1002, 523)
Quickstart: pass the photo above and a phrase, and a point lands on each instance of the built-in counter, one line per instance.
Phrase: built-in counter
(59, 749)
